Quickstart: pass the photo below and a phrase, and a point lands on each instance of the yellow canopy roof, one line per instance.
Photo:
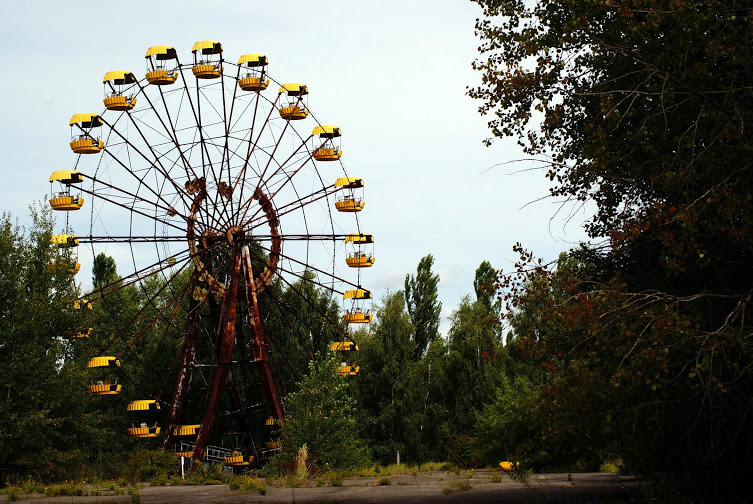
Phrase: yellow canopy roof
(162, 52)
(349, 182)
(86, 120)
(328, 130)
(343, 346)
(143, 405)
(103, 361)
(294, 88)
(253, 59)
(186, 430)
(64, 239)
(357, 294)
(120, 75)
(359, 238)
(66, 176)
(207, 47)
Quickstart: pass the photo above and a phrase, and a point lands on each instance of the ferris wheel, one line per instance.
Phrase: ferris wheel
(239, 223)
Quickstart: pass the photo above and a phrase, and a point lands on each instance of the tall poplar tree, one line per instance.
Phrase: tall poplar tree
(421, 299)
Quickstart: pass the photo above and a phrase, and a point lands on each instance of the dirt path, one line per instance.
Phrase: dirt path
(434, 487)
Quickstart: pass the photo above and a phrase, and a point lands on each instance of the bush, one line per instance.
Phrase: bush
(336, 479)
(148, 465)
(463, 451)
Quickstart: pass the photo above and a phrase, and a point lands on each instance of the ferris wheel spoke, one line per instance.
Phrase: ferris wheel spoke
(313, 268)
(130, 239)
(171, 132)
(226, 122)
(136, 276)
(167, 209)
(131, 209)
(252, 144)
(196, 110)
(146, 305)
(303, 237)
(294, 205)
(159, 315)
(284, 309)
(157, 159)
(288, 178)
(170, 325)
(131, 172)
(186, 163)
(305, 298)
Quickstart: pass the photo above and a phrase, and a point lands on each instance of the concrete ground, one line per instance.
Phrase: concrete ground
(431, 487)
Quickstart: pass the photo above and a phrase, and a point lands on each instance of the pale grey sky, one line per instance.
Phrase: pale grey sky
(391, 74)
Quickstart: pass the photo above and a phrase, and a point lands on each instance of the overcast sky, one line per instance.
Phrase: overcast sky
(392, 74)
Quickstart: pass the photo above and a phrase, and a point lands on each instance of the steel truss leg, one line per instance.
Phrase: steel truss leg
(224, 359)
(185, 372)
(258, 343)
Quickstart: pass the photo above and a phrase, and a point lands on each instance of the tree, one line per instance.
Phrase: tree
(322, 415)
(103, 270)
(43, 415)
(484, 284)
(423, 305)
(476, 363)
(386, 350)
(642, 108)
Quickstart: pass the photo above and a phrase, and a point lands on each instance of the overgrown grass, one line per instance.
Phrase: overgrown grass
(385, 481)
(611, 466)
(33, 489)
(414, 469)
(206, 474)
(335, 479)
(457, 486)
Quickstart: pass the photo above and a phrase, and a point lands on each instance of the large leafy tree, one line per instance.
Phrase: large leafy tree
(43, 414)
(322, 415)
(386, 352)
(643, 108)
(421, 299)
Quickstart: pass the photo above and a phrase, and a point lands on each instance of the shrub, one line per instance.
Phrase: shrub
(147, 465)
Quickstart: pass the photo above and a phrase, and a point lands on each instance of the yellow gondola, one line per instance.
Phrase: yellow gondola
(294, 105)
(207, 59)
(118, 85)
(147, 409)
(352, 198)
(82, 304)
(186, 430)
(256, 70)
(326, 143)
(65, 259)
(161, 65)
(238, 459)
(273, 445)
(359, 249)
(82, 139)
(345, 369)
(348, 370)
(64, 200)
(343, 346)
(73, 267)
(83, 334)
(357, 313)
(64, 240)
(104, 386)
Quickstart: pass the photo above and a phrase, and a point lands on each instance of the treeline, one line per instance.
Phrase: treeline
(419, 394)
(414, 393)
